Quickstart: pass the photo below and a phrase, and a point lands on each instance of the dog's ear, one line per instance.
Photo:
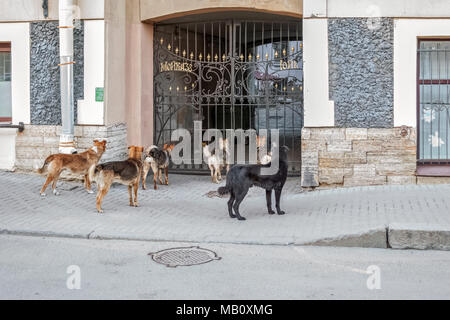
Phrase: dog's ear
(104, 142)
(95, 141)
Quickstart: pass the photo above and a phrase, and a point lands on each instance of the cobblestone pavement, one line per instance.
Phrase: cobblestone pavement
(184, 212)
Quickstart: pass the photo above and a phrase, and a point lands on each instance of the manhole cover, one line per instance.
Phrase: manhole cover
(184, 257)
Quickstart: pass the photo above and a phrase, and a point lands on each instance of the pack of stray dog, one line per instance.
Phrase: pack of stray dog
(240, 178)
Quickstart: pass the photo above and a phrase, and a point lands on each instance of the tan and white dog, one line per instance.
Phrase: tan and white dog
(261, 142)
(77, 163)
(216, 162)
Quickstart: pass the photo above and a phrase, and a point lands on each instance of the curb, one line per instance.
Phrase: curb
(375, 238)
(419, 237)
(395, 236)
(47, 234)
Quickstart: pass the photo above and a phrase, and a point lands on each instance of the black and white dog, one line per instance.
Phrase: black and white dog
(158, 160)
(242, 177)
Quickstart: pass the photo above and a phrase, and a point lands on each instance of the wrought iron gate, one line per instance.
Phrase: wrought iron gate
(230, 75)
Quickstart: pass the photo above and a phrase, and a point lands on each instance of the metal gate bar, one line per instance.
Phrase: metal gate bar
(230, 75)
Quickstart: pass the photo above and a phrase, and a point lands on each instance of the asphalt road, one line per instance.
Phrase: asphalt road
(36, 268)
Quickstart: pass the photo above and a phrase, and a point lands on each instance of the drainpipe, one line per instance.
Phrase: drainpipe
(67, 144)
(45, 8)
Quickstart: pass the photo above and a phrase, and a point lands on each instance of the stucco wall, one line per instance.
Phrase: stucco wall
(361, 71)
(115, 61)
(153, 10)
(31, 10)
(387, 8)
(45, 73)
(139, 77)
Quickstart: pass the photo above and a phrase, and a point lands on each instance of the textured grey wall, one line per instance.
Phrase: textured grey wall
(45, 75)
(361, 71)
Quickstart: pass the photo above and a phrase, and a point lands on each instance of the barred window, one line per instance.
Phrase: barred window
(5, 83)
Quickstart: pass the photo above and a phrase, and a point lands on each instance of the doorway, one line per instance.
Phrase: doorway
(230, 74)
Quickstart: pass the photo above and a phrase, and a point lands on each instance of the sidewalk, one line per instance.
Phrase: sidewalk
(183, 212)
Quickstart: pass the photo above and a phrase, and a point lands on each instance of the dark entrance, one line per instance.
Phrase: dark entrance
(233, 74)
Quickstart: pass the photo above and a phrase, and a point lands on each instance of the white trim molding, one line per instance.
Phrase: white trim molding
(91, 112)
(318, 109)
(406, 34)
(315, 8)
(7, 149)
(19, 36)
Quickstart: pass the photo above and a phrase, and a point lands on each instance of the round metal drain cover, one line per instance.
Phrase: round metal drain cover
(184, 257)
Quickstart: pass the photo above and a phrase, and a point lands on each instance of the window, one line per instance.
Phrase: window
(5, 83)
(434, 102)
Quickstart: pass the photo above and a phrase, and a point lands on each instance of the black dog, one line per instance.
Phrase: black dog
(242, 177)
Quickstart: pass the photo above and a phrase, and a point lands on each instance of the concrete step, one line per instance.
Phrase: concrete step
(396, 236)
(419, 236)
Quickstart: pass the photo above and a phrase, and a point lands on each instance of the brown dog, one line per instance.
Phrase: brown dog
(125, 172)
(77, 163)
(157, 159)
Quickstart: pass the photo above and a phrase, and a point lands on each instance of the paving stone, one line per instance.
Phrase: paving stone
(184, 212)
(364, 181)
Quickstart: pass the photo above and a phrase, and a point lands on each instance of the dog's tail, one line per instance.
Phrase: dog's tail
(45, 166)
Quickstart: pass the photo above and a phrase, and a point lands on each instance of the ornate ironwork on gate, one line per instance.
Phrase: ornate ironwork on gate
(230, 75)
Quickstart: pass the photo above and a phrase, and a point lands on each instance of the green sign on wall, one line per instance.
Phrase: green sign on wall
(99, 94)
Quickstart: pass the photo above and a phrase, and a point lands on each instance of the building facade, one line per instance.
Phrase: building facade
(359, 90)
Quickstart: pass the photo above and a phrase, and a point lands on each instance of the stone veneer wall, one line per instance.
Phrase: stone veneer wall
(358, 157)
(361, 71)
(45, 75)
(37, 142)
